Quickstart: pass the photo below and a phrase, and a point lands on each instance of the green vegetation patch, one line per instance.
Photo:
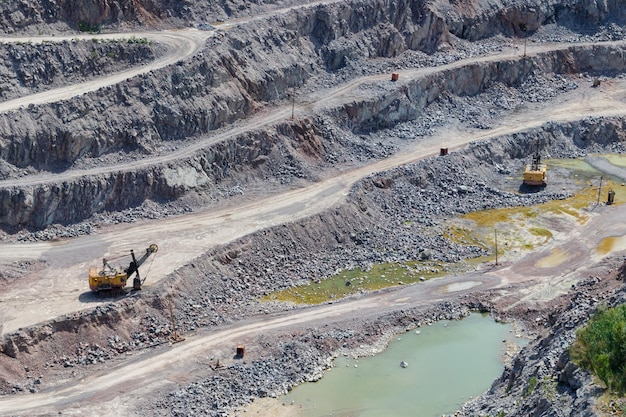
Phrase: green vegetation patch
(530, 388)
(352, 281)
(87, 27)
(134, 39)
(600, 347)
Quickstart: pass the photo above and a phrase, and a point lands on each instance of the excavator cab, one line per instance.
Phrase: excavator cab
(106, 278)
(535, 173)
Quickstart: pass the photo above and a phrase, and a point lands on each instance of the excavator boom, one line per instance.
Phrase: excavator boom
(109, 278)
(133, 268)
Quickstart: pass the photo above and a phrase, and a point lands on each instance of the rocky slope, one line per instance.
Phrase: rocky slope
(241, 72)
(542, 380)
(28, 68)
(288, 151)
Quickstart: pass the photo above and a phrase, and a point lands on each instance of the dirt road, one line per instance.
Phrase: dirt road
(181, 44)
(61, 286)
(531, 276)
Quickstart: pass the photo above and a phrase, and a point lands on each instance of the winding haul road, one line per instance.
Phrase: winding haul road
(61, 286)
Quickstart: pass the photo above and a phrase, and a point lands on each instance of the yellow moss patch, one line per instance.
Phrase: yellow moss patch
(540, 231)
(524, 228)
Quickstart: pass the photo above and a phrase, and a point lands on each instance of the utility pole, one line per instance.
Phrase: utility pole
(524, 28)
(599, 191)
(495, 234)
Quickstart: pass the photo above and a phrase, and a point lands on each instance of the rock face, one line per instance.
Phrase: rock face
(30, 69)
(542, 380)
(297, 148)
(239, 71)
(388, 217)
(470, 20)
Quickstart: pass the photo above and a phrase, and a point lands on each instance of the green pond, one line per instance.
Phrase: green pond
(448, 363)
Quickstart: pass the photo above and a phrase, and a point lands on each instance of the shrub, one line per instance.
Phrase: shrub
(86, 27)
(532, 384)
(600, 347)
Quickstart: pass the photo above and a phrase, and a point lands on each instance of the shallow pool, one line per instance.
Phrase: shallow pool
(448, 363)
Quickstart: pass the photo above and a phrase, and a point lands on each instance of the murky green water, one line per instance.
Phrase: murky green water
(448, 363)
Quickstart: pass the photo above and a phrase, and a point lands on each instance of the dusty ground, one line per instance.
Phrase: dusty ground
(270, 407)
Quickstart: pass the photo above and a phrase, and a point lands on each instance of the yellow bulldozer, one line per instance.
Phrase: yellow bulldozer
(112, 279)
(535, 173)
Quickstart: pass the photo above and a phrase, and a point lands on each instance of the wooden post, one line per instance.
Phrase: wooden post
(524, 28)
(175, 338)
(495, 233)
(599, 191)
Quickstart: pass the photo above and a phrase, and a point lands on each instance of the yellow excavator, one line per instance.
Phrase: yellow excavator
(111, 279)
(535, 173)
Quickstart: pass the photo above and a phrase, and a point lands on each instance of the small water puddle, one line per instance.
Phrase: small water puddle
(611, 244)
(446, 364)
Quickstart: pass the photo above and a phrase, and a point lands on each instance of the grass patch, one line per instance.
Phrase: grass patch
(136, 40)
(611, 404)
(356, 280)
(530, 388)
(87, 27)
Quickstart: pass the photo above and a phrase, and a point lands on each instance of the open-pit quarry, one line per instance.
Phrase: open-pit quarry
(267, 149)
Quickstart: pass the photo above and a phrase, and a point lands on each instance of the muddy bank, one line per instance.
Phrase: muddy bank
(542, 380)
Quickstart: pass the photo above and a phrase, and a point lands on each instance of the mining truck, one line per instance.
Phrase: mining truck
(112, 279)
(535, 173)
